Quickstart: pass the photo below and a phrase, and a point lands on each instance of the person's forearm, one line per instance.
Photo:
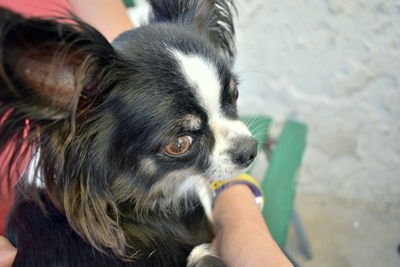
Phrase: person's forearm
(7, 252)
(242, 238)
(107, 16)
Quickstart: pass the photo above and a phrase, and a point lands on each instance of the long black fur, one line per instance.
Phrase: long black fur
(213, 18)
(92, 114)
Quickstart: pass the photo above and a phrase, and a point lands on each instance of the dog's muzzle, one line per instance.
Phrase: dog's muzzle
(245, 151)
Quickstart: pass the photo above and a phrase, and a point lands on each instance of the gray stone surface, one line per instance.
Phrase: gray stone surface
(347, 232)
(334, 65)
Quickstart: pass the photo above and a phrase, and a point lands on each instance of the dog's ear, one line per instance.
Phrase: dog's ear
(45, 65)
(50, 74)
(214, 18)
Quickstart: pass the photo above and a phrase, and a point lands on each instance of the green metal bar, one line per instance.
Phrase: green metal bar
(128, 3)
(279, 183)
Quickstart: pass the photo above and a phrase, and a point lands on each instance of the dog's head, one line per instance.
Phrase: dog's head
(144, 120)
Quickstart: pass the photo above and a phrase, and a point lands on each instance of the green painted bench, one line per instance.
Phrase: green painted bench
(279, 180)
(129, 3)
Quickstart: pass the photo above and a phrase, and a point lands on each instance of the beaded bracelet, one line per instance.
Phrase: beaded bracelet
(246, 179)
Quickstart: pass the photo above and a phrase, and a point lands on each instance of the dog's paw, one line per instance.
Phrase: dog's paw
(208, 261)
(202, 256)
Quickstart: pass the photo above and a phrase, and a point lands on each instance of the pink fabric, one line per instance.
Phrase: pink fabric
(8, 196)
(26, 8)
(37, 7)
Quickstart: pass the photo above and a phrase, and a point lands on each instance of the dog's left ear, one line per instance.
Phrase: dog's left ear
(214, 18)
(45, 65)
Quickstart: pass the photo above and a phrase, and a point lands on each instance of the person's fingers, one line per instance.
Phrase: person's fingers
(7, 252)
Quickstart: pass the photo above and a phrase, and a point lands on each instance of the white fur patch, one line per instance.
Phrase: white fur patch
(196, 184)
(202, 75)
(147, 165)
(177, 186)
(198, 253)
(225, 132)
(204, 193)
(33, 173)
(191, 122)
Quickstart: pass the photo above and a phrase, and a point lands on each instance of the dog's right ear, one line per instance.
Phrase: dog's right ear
(213, 18)
(47, 68)
(45, 65)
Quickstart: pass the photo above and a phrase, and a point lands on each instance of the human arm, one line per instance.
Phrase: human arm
(7, 252)
(107, 16)
(242, 238)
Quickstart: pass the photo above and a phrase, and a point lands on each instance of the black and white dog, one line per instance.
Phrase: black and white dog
(125, 138)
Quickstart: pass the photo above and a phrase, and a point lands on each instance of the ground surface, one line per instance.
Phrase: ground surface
(347, 232)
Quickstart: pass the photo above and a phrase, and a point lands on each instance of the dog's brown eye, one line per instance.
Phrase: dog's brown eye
(234, 96)
(179, 146)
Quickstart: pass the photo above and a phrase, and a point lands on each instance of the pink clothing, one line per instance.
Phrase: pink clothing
(37, 7)
(27, 8)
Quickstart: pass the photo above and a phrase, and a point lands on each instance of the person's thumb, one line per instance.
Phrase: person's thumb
(7, 252)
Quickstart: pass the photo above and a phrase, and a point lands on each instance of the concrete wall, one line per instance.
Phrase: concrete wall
(335, 65)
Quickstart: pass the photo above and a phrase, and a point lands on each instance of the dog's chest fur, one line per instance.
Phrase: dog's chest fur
(154, 244)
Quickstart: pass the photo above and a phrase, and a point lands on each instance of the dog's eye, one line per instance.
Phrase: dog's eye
(234, 96)
(179, 146)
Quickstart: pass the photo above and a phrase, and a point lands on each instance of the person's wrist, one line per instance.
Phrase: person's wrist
(233, 192)
(234, 202)
(243, 179)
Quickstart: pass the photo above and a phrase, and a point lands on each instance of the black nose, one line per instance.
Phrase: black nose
(245, 151)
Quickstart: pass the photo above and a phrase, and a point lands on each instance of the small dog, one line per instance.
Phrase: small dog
(125, 138)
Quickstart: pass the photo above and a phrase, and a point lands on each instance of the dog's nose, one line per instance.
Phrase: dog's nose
(246, 151)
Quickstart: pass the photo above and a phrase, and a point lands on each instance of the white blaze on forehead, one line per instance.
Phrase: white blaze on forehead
(200, 73)
(203, 76)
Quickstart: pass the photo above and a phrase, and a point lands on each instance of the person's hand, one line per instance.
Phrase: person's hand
(107, 16)
(7, 252)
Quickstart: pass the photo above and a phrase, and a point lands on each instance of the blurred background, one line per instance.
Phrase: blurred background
(335, 66)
